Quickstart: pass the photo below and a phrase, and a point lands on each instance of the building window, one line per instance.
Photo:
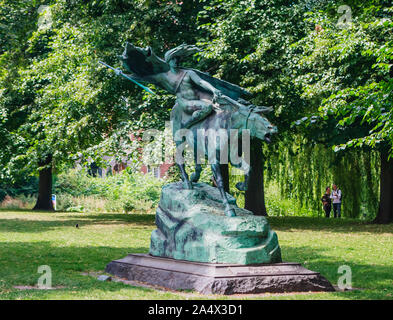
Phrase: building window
(154, 170)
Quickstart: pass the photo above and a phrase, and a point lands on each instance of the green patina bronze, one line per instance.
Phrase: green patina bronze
(202, 102)
(191, 225)
(192, 218)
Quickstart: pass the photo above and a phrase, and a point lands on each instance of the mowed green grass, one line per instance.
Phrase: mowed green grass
(30, 239)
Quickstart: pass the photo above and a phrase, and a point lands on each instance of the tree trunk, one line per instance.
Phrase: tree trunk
(44, 201)
(385, 212)
(224, 170)
(225, 176)
(255, 194)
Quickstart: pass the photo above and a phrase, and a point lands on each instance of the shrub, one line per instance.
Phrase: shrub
(64, 201)
(18, 202)
(276, 205)
(124, 192)
(128, 206)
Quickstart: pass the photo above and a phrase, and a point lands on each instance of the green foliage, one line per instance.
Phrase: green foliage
(18, 202)
(346, 74)
(344, 77)
(57, 100)
(248, 43)
(333, 84)
(284, 207)
(25, 186)
(126, 191)
(303, 173)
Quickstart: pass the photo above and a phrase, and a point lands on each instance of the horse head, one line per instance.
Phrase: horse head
(253, 119)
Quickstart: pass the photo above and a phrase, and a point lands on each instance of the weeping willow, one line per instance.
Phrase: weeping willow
(296, 175)
(301, 173)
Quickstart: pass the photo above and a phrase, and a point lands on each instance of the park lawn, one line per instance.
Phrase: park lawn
(30, 239)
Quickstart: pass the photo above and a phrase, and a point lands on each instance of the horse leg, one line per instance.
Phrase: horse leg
(198, 168)
(220, 185)
(197, 174)
(184, 176)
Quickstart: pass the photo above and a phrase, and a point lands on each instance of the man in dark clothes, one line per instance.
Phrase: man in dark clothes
(327, 202)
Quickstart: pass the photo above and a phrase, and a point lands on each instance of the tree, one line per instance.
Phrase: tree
(17, 22)
(70, 105)
(255, 196)
(44, 201)
(347, 72)
(248, 43)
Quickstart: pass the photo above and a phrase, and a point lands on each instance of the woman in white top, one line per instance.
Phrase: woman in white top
(336, 199)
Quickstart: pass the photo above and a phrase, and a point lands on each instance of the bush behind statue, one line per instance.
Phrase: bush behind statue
(124, 192)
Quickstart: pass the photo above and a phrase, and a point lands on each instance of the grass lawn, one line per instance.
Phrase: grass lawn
(30, 239)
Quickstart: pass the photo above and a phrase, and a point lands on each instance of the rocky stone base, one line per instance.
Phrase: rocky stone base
(214, 278)
(192, 226)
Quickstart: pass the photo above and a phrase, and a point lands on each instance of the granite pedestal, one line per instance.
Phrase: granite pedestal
(196, 247)
(218, 278)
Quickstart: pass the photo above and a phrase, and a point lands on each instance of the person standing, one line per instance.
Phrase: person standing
(336, 198)
(327, 202)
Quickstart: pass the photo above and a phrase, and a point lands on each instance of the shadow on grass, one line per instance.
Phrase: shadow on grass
(21, 259)
(62, 220)
(142, 219)
(278, 223)
(322, 224)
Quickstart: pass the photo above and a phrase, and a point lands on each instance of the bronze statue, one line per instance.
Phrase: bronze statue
(202, 103)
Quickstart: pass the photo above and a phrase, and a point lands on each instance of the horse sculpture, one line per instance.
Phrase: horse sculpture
(228, 127)
(203, 104)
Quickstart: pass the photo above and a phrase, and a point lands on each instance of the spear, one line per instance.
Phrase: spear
(119, 72)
